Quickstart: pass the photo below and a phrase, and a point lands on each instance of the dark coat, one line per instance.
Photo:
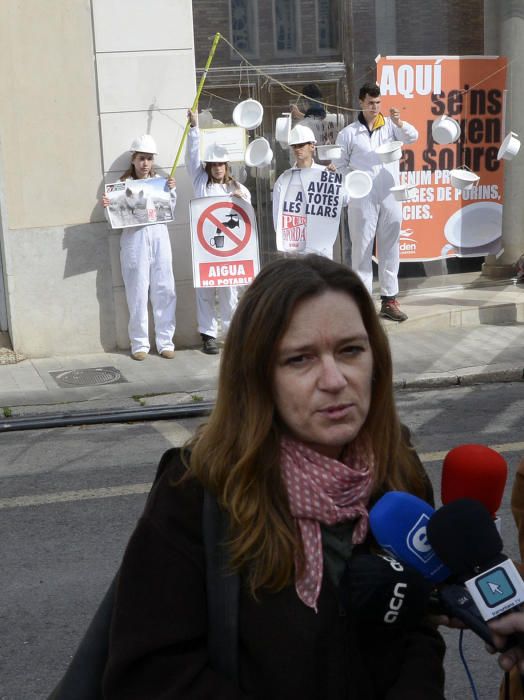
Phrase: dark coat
(287, 651)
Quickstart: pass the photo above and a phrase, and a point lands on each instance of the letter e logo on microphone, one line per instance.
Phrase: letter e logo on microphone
(417, 540)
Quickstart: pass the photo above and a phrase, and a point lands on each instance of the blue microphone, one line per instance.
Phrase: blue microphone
(398, 521)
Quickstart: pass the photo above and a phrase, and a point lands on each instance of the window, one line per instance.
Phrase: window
(327, 23)
(286, 26)
(244, 26)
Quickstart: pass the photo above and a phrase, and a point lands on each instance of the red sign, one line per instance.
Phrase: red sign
(227, 274)
(441, 220)
(219, 237)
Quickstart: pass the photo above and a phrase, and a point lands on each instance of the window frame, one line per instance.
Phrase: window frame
(255, 51)
(298, 48)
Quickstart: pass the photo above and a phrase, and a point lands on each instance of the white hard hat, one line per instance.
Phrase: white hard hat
(301, 134)
(144, 144)
(216, 154)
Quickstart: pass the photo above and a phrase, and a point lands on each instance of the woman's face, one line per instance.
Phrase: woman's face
(218, 171)
(322, 377)
(143, 163)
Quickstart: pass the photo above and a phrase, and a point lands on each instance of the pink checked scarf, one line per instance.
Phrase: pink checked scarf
(324, 490)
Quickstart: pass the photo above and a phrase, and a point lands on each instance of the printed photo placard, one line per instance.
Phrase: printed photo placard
(138, 202)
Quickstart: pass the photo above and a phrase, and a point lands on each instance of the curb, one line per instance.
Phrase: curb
(437, 381)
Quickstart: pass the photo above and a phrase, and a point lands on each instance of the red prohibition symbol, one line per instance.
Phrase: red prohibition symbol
(240, 240)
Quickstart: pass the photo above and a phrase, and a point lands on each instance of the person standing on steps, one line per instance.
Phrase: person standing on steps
(302, 143)
(212, 178)
(147, 265)
(379, 214)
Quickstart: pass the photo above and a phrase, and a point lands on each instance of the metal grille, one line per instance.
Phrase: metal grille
(92, 376)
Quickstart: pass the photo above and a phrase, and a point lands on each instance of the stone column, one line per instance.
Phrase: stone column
(509, 35)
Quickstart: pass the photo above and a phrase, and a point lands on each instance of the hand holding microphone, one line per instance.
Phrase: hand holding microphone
(503, 628)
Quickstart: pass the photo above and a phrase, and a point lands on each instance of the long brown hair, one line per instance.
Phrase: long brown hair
(228, 177)
(236, 454)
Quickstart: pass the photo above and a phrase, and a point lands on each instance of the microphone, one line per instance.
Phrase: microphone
(464, 536)
(381, 591)
(398, 521)
(474, 471)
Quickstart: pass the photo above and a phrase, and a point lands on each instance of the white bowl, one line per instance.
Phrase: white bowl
(389, 152)
(205, 119)
(445, 130)
(248, 114)
(282, 129)
(509, 147)
(463, 179)
(258, 153)
(328, 152)
(404, 192)
(474, 226)
(358, 184)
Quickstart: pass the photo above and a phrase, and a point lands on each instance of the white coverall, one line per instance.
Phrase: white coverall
(147, 266)
(379, 213)
(205, 297)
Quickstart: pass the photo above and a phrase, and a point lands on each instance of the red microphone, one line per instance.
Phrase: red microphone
(474, 471)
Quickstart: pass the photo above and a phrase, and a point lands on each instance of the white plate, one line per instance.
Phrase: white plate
(445, 130)
(474, 225)
(403, 193)
(358, 184)
(328, 152)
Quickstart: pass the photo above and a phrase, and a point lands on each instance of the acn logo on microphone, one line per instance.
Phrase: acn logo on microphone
(417, 540)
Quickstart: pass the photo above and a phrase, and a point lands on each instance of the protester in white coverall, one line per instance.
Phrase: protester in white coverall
(379, 213)
(302, 143)
(212, 179)
(147, 267)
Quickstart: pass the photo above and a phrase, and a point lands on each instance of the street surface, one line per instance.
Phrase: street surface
(69, 499)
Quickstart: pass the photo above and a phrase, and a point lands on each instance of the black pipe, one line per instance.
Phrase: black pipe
(124, 415)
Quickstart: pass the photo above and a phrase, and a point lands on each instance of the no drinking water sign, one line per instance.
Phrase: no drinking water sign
(224, 242)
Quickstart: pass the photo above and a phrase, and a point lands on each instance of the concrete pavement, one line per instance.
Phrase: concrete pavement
(455, 334)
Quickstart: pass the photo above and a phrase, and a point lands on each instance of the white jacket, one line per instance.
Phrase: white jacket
(198, 173)
(358, 148)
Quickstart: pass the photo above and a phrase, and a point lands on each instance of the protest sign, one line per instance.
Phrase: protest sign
(138, 202)
(232, 139)
(442, 220)
(309, 207)
(224, 242)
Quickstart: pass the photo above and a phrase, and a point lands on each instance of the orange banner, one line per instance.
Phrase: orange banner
(442, 220)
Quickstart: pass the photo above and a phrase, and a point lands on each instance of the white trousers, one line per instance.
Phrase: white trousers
(147, 268)
(368, 217)
(206, 310)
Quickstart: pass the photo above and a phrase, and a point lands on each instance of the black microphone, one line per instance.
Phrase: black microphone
(399, 523)
(380, 591)
(463, 535)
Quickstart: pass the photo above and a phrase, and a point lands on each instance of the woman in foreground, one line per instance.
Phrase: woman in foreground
(304, 437)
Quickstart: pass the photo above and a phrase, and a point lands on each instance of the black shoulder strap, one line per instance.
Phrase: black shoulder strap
(223, 589)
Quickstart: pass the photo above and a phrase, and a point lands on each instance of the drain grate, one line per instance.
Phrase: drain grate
(91, 376)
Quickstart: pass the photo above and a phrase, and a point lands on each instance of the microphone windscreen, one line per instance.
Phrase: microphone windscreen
(398, 521)
(464, 536)
(474, 471)
(381, 591)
